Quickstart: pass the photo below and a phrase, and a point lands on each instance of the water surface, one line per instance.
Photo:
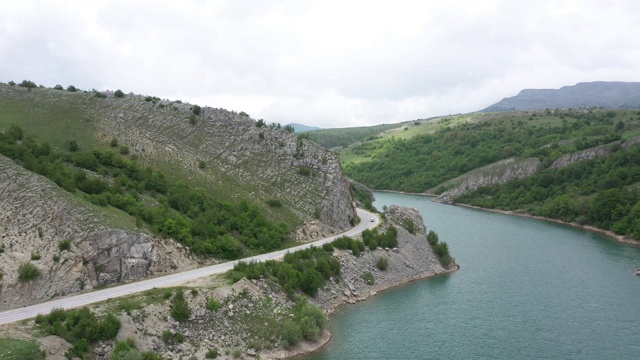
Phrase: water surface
(527, 289)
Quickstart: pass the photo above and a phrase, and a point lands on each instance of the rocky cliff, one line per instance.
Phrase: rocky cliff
(497, 173)
(74, 245)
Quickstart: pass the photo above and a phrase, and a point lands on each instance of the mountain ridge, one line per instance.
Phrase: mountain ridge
(607, 94)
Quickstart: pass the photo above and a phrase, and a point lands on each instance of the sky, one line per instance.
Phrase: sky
(322, 63)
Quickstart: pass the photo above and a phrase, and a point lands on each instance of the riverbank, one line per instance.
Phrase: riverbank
(361, 279)
(608, 233)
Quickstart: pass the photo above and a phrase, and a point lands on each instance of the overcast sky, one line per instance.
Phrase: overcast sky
(322, 63)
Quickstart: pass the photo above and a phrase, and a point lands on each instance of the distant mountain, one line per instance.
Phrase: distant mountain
(300, 128)
(613, 95)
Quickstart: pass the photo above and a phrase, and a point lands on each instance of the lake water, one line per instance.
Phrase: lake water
(527, 289)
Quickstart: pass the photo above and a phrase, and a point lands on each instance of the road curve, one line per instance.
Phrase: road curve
(172, 279)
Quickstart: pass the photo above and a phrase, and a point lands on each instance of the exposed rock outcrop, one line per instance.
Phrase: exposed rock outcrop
(243, 158)
(37, 217)
(412, 259)
(497, 173)
(587, 154)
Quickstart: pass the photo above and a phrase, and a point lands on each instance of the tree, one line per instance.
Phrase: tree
(118, 94)
(289, 128)
(28, 84)
(71, 88)
(58, 87)
(197, 110)
(73, 146)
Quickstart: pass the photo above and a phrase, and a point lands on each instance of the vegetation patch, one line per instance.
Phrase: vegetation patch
(20, 349)
(440, 248)
(209, 227)
(81, 328)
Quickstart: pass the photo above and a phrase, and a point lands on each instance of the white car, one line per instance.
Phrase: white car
(372, 219)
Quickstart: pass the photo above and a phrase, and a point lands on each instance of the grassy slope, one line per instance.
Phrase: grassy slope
(58, 116)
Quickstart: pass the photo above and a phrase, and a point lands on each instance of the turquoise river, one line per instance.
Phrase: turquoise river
(527, 289)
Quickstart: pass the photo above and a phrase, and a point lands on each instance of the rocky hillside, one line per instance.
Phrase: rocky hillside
(611, 95)
(229, 154)
(244, 320)
(73, 245)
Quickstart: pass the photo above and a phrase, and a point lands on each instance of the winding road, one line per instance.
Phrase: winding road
(170, 280)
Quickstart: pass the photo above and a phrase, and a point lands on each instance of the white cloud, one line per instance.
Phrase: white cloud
(323, 63)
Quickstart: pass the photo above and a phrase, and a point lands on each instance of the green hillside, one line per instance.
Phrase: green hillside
(601, 191)
(332, 138)
(214, 180)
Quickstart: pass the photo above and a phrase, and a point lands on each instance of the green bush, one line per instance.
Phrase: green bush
(276, 203)
(40, 233)
(71, 88)
(81, 328)
(124, 150)
(35, 256)
(27, 272)
(118, 93)
(202, 164)
(382, 264)
(56, 258)
(192, 119)
(212, 353)
(304, 171)
(64, 245)
(113, 143)
(197, 110)
(1, 248)
(368, 278)
(179, 308)
(213, 305)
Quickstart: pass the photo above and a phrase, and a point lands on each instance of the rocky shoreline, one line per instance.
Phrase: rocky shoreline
(412, 260)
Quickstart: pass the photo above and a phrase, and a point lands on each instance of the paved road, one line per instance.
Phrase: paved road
(169, 280)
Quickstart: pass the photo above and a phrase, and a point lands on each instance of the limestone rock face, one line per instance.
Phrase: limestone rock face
(36, 217)
(587, 154)
(497, 173)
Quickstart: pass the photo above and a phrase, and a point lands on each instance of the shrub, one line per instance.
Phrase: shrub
(118, 94)
(73, 146)
(368, 278)
(64, 245)
(310, 330)
(304, 171)
(213, 305)
(35, 256)
(28, 84)
(197, 110)
(40, 233)
(71, 88)
(1, 248)
(192, 119)
(382, 264)
(100, 95)
(260, 123)
(291, 333)
(124, 150)
(179, 308)
(56, 257)
(432, 238)
(113, 143)
(27, 272)
(12, 83)
(276, 203)
(1, 275)
(202, 164)
(212, 353)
